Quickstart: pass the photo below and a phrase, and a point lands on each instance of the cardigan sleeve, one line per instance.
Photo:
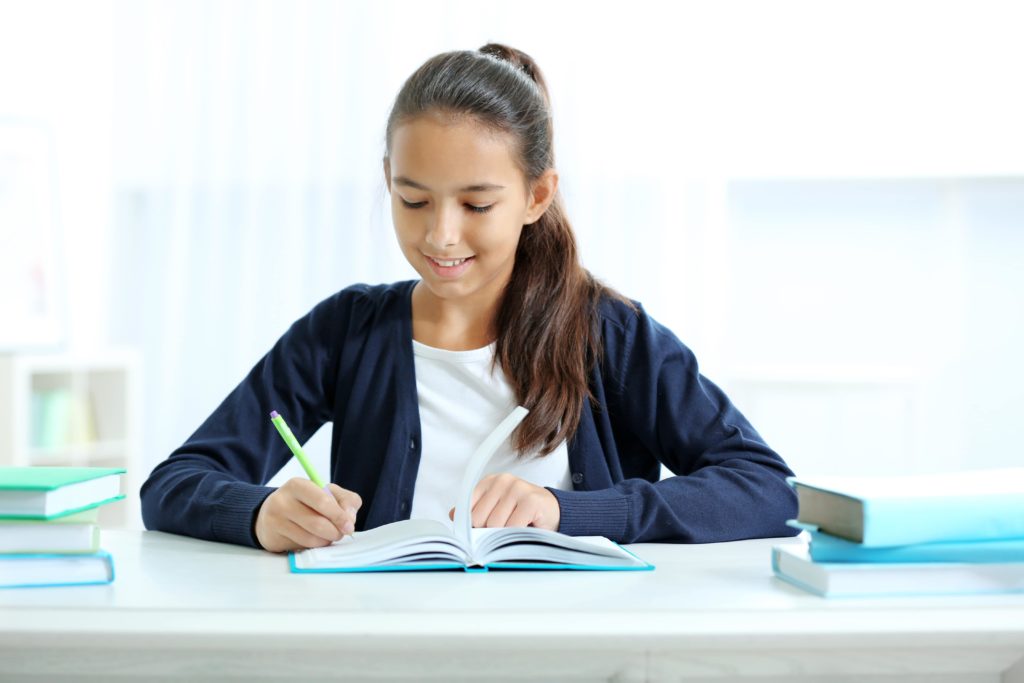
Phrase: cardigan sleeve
(728, 483)
(212, 486)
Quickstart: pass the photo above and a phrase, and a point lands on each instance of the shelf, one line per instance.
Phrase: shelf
(75, 410)
(84, 454)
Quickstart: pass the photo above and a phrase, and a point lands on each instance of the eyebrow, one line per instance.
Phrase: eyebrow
(482, 187)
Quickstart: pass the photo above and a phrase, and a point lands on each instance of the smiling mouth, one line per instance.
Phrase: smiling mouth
(449, 263)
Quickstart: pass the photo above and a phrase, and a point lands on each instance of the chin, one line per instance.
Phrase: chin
(445, 290)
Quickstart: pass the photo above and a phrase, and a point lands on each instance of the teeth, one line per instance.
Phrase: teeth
(448, 264)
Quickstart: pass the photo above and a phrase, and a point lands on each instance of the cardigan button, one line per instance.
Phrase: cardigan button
(404, 506)
(412, 444)
(577, 477)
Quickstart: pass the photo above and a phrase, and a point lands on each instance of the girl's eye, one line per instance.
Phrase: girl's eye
(471, 207)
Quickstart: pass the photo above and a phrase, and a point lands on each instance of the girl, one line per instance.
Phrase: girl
(413, 375)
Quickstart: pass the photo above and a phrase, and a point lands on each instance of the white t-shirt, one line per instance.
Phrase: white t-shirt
(461, 401)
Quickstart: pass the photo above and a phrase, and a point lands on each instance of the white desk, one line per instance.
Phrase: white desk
(185, 608)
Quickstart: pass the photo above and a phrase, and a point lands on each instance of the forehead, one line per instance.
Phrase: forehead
(446, 155)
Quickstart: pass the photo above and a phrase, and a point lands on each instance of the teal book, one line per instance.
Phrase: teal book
(793, 564)
(828, 548)
(48, 570)
(426, 544)
(52, 492)
(978, 505)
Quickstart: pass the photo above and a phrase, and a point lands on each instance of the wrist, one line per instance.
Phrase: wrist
(604, 512)
(258, 524)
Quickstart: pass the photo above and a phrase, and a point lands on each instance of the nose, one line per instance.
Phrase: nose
(445, 230)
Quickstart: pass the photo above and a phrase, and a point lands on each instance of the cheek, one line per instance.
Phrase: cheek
(493, 240)
(405, 229)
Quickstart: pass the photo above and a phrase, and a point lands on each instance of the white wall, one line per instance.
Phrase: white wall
(56, 74)
(822, 199)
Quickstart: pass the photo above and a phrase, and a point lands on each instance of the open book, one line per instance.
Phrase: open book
(419, 544)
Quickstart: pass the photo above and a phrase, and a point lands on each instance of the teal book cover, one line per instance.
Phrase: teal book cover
(52, 492)
(54, 570)
(828, 548)
(50, 478)
(885, 511)
(793, 564)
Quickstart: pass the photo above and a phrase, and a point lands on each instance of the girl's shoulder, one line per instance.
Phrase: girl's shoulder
(627, 328)
(375, 294)
(620, 311)
(362, 300)
(369, 311)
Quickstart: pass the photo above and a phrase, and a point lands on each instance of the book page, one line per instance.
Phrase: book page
(408, 540)
(477, 462)
(530, 544)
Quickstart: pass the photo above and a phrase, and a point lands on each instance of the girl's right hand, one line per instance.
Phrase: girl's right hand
(300, 515)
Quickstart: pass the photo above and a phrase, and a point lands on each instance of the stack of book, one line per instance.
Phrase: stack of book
(948, 533)
(49, 534)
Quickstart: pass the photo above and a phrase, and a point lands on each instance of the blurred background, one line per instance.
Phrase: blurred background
(824, 200)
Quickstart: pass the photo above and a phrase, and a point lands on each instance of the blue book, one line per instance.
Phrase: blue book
(978, 505)
(427, 544)
(828, 548)
(44, 570)
(793, 564)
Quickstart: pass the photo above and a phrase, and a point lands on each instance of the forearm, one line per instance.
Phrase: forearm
(185, 495)
(733, 500)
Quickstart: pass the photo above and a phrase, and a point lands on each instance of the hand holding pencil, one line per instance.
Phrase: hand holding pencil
(304, 513)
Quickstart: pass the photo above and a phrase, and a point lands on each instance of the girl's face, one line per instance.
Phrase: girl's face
(459, 204)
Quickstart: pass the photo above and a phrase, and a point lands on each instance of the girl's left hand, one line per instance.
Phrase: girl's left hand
(502, 500)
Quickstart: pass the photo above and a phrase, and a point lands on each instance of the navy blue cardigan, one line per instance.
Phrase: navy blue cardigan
(349, 361)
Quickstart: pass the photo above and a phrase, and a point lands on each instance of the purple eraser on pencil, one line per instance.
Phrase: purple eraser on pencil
(273, 414)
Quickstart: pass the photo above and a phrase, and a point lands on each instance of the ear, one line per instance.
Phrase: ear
(387, 174)
(541, 196)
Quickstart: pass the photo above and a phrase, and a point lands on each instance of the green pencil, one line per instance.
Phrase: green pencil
(296, 449)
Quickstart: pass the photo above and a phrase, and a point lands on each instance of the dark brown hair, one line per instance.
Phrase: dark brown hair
(548, 337)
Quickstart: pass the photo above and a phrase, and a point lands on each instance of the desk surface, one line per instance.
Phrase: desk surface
(184, 606)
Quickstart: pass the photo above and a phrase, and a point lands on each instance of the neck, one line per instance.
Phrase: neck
(455, 325)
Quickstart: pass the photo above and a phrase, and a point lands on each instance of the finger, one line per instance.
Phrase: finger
(312, 521)
(488, 501)
(276, 542)
(482, 487)
(301, 537)
(349, 502)
(502, 510)
(524, 514)
(346, 498)
(316, 524)
(322, 502)
(285, 531)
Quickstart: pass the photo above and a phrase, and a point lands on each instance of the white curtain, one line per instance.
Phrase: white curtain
(802, 191)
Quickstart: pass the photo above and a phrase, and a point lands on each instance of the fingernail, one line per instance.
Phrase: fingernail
(351, 510)
(347, 528)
